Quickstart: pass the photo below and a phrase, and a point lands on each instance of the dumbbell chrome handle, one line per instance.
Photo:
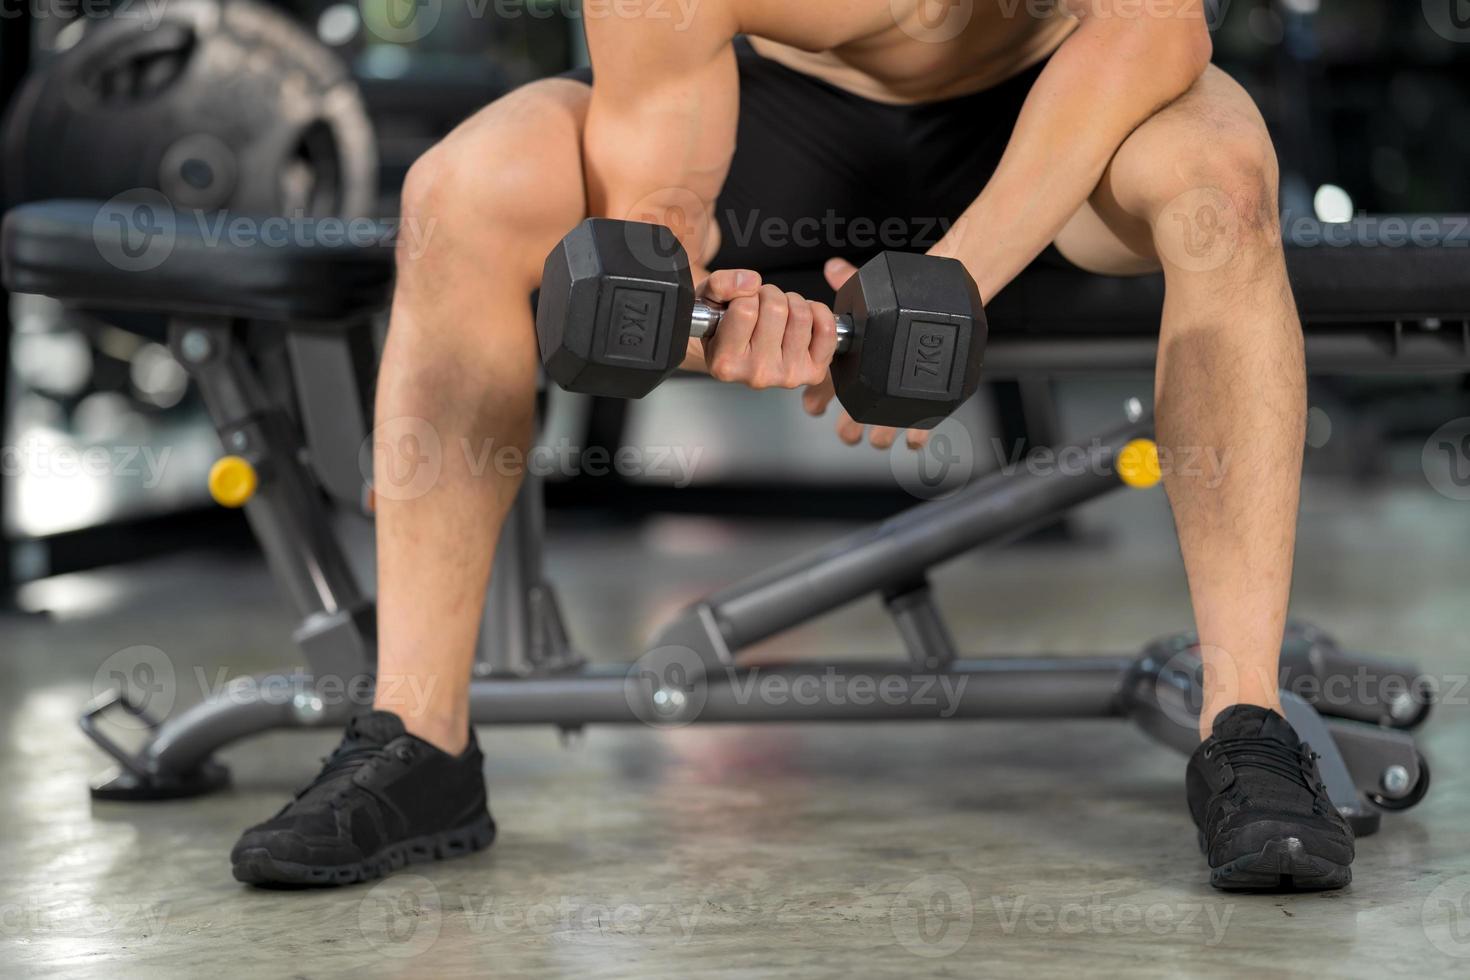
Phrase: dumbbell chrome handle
(708, 313)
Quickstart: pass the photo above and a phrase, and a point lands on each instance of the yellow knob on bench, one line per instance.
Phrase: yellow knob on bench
(232, 481)
(1138, 464)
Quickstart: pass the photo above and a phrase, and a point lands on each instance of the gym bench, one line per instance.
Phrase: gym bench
(1369, 305)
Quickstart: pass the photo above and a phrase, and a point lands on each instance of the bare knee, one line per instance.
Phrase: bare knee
(1203, 176)
(499, 191)
(479, 213)
(1238, 164)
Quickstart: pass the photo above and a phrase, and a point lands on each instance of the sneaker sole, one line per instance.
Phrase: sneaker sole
(1282, 864)
(256, 865)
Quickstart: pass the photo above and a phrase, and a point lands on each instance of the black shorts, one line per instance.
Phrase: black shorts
(820, 172)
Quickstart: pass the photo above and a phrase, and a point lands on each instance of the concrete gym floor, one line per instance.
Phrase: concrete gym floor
(947, 849)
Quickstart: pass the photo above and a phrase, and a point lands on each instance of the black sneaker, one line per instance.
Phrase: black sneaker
(384, 799)
(1265, 822)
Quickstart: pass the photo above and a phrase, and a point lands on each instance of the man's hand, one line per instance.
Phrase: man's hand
(816, 398)
(767, 338)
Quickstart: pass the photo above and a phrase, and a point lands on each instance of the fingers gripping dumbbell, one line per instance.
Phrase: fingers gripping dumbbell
(617, 309)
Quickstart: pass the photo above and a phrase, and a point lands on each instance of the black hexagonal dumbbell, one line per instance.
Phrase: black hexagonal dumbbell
(617, 309)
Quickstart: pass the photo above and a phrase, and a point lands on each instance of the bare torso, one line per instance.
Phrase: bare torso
(903, 51)
(673, 85)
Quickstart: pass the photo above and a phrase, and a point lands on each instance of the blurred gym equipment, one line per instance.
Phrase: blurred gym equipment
(218, 106)
(228, 107)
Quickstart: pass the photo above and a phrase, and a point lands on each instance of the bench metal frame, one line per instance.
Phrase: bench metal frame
(529, 671)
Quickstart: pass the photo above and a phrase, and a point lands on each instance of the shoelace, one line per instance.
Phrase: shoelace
(1269, 755)
(347, 760)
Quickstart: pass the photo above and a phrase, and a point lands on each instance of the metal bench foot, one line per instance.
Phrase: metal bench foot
(119, 784)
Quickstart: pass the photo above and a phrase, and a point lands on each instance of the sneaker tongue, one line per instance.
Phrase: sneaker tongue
(375, 727)
(1253, 721)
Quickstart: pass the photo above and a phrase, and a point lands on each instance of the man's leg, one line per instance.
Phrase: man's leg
(458, 383)
(1194, 189)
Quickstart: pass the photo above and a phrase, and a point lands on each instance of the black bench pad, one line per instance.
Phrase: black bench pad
(93, 254)
(1371, 270)
(1381, 268)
